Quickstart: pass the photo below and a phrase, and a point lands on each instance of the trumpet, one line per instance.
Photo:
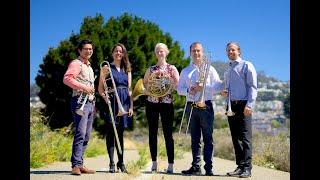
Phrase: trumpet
(229, 111)
(82, 100)
(121, 110)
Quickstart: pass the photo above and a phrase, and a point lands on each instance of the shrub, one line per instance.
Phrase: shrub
(272, 151)
(47, 146)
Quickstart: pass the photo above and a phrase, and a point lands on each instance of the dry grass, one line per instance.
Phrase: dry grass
(268, 151)
(47, 146)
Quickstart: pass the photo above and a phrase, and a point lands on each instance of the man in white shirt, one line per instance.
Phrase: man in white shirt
(199, 84)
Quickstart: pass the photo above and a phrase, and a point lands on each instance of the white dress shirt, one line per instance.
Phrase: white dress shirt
(190, 75)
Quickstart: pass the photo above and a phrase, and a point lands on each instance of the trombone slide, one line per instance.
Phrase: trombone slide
(114, 125)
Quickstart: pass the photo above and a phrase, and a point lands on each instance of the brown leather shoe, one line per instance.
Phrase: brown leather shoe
(76, 171)
(86, 170)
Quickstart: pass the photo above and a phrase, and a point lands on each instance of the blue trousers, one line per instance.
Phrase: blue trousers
(202, 122)
(83, 128)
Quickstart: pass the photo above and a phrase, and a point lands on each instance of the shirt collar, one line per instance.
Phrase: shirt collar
(231, 62)
(81, 59)
(194, 65)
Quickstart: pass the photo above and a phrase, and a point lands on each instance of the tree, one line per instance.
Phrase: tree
(138, 35)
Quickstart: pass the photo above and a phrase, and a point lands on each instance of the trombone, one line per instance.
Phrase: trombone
(121, 110)
(184, 112)
(83, 100)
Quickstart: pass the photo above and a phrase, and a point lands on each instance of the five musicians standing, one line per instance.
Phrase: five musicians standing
(199, 81)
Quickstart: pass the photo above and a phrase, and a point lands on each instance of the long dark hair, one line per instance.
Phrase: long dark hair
(125, 63)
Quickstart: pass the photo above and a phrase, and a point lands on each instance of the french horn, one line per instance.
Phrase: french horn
(159, 84)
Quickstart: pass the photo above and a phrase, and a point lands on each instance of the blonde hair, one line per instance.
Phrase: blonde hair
(163, 46)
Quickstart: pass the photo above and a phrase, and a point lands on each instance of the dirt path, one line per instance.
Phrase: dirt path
(61, 170)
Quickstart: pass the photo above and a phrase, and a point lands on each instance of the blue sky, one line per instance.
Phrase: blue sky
(262, 27)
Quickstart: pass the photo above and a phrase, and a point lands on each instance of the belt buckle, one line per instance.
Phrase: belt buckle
(235, 102)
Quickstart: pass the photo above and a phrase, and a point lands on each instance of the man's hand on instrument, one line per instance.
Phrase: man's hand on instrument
(247, 111)
(224, 93)
(89, 90)
(130, 112)
(194, 89)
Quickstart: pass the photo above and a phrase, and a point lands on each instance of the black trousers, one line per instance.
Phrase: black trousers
(111, 141)
(165, 110)
(241, 133)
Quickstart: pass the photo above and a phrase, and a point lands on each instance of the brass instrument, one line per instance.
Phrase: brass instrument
(138, 90)
(200, 102)
(159, 84)
(82, 100)
(204, 71)
(184, 111)
(229, 112)
(121, 111)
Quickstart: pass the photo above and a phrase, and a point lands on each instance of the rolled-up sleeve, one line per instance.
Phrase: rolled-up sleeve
(72, 72)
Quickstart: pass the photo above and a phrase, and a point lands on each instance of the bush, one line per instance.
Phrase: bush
(220, 121)
(272, 151)
(48, 146)
(268, 151)
(223, 147)
(275, 124)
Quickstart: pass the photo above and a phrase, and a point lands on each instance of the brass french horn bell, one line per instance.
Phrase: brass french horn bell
(138, 90)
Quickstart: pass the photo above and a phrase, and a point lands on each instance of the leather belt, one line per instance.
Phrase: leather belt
(207, 101)
(238, 101)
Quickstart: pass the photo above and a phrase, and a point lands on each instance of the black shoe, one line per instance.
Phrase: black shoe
(209, 172)
(169, 171)
(122, 167)
(112, 168)
(245, 173)
(192, 171)
(236, 172)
